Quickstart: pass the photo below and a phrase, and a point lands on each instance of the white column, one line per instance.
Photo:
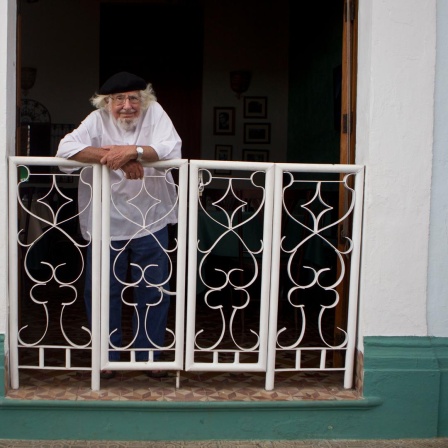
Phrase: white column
(7, 134)
(396, 67)
(438, 235)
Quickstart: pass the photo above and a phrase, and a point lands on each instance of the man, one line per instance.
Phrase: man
(130, 127)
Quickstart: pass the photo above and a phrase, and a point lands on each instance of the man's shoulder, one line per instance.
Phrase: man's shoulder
(154, 111)
(96, 117)
(154, 106)
(99, 114)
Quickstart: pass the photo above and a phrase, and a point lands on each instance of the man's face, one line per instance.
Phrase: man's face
(125, 108)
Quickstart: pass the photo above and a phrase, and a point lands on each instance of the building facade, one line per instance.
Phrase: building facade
(401, 138)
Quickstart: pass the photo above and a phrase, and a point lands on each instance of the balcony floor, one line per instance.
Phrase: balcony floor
(194, 386)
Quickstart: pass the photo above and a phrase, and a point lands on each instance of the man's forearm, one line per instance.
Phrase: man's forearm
(149, 154)
(114, 156)
(89, 155)
(118, 155)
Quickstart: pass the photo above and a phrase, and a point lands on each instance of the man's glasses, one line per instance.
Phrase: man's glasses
(119, 100)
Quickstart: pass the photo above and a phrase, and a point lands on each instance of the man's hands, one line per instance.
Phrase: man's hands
(133, 170)
(117, 155)
(123, 157)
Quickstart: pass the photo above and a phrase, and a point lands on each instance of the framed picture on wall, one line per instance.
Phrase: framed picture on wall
(224, 121)
(223, 152)
(256, 155)
(255, 107)
(257, 133)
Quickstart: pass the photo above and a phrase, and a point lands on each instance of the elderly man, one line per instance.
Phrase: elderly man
(128, 128)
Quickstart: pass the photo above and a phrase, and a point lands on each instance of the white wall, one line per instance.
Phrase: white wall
(438, 242)
(7, 134)
(394, 140)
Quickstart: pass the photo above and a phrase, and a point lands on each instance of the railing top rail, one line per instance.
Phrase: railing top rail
(45, 161)
(228, 164)
(59, 161)
(232, 165)
(319, 167)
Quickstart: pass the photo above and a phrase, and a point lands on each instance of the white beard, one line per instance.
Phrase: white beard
(127, 124)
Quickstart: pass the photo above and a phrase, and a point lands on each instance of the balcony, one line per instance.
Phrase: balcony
(262, 287)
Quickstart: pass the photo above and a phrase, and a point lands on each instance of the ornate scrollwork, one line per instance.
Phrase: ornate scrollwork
(319, 226)
(226, 219)
(46, 211)
(145, 210)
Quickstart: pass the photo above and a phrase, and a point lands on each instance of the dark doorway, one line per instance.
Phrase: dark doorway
(163, 44)
(315, 55)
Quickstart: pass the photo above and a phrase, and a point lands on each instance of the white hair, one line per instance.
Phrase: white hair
(147, 97)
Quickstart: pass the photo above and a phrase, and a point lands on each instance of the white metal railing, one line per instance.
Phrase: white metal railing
(176, 343)
(346, 226)
(226, 212)
(41, 192)
(26, 229)
(272, 263)
(296, 212)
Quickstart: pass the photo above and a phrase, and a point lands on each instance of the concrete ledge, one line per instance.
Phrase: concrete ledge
(405, 387)
(410, 374)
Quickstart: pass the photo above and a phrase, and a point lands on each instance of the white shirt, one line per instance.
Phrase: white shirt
(137, 206)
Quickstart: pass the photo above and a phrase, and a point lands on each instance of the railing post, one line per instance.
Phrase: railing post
(192, 261)
(13, 277)
(181, 270)
(97, 271)
(275, 276)
(104, 240)
(354, 280)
